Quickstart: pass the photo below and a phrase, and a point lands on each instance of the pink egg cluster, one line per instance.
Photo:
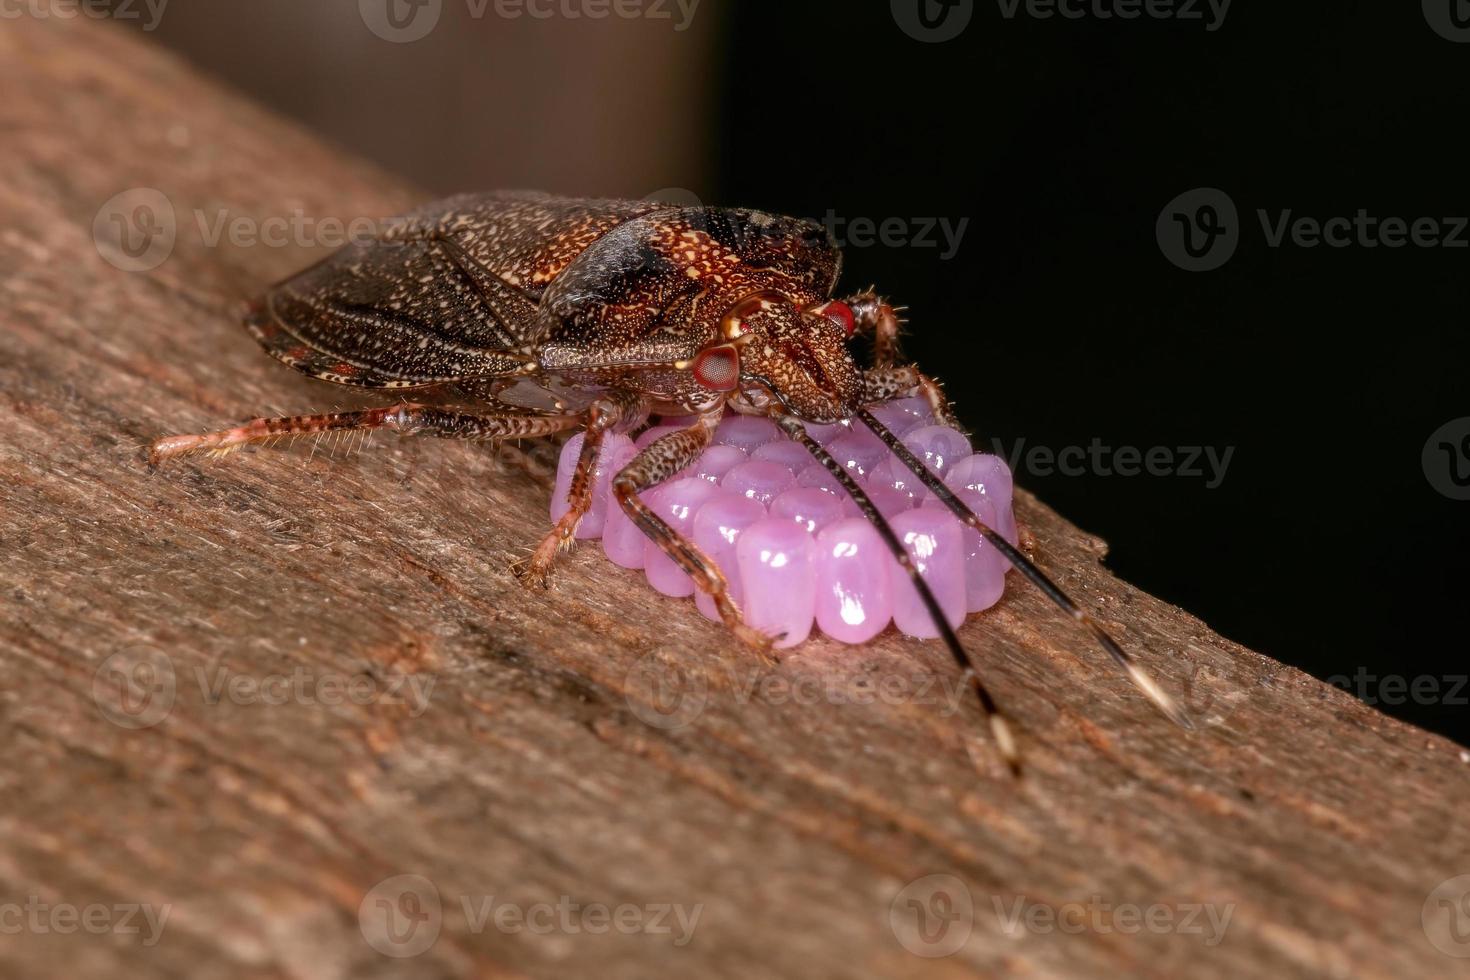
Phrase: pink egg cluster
(795, 548)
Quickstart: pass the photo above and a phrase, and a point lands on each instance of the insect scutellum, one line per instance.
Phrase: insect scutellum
(521, 315)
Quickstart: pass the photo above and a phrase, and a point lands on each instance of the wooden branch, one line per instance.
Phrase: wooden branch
(348, 685)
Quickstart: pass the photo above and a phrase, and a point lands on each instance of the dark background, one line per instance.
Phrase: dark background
(1059, 320)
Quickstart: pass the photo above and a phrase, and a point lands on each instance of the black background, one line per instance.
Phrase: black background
(1059, 320)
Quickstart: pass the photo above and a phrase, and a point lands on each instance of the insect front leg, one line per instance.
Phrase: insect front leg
(406, 418)
(601, 416)
(881, 384)
(658, 461)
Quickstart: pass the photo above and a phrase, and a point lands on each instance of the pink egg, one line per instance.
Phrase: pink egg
(934, 542)
(889, 501)
(776, 559)
(989, 476)
(903, 414)
(939, 446)
(789, 453)
(985, 568)
(824, 434)
(858, 451)
(596, 517)
(715, 462)
(817, 475)
(676, 503)
(809, 507)
(622, 541)
(717, 526)
(854, 595)
(746, 432)
(759, 478)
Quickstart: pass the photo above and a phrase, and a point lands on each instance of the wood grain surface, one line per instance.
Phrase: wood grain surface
(241, 698)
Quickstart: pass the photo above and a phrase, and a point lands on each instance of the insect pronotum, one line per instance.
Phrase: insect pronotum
(607, 312)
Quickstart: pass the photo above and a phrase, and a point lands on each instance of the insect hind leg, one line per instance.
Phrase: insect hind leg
(658, 461)
(406, 418)
(601, 416)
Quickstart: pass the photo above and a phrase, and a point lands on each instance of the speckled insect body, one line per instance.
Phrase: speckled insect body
(550, 314)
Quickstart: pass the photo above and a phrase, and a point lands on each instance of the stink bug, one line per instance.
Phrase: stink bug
(552, 314)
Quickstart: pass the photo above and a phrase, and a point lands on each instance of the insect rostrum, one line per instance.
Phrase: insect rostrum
(547, 314)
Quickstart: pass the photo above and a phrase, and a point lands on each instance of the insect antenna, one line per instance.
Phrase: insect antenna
(999, 729)
(1136, 673)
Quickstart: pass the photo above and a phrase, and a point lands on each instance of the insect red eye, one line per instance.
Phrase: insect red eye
(839, 313)
(718, 368)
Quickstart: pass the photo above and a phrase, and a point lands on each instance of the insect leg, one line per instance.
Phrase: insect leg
(999, 730)
(1140, 677)
(658, 461)
(881, 384)
(406, 419)
(601, 416)
(872, 314)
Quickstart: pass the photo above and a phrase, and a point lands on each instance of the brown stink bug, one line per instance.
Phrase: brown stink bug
(614, 310)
